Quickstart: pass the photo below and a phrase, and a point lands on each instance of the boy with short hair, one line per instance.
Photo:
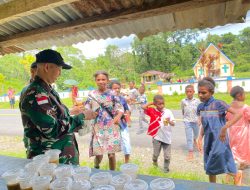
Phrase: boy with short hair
(160, 128)
(189, 111)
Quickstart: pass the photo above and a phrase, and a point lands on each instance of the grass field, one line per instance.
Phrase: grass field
(171, 102)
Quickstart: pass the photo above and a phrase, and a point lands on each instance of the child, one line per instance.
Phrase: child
(125, 139)
(106, 131)
(239, 133)
(133, 94)
(142, 100)
(189, 111)
(161, 120)
(218, 157)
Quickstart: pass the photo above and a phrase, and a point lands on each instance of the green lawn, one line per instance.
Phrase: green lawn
(171, 102)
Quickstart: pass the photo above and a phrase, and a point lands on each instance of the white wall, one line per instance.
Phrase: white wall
(221, 86)
(82, 93)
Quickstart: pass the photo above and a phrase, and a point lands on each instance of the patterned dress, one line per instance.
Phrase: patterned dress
(105, 136)
(239, 135)
(218, 157)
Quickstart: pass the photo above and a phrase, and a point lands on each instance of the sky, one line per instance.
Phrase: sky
(92, 49)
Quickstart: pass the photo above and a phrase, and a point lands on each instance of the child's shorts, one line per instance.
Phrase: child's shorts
(125, 141)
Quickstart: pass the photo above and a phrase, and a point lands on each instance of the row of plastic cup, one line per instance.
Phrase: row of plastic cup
(42, 175)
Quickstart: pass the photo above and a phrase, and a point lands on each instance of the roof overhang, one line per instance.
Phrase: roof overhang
(27, 25)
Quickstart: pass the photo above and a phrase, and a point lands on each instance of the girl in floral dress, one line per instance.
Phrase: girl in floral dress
(105, 138)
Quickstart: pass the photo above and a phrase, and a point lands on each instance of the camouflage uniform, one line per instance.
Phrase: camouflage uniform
(47, 123)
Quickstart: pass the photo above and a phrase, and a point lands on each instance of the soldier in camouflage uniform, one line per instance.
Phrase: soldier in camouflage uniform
(47, 122)
(33, 70)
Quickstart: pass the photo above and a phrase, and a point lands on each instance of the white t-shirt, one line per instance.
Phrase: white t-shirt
(164, 134)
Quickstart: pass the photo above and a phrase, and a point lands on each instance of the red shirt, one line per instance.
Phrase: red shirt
(155, 118)
(74, 91)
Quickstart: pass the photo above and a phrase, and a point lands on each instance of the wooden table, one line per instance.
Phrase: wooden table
(7, 163)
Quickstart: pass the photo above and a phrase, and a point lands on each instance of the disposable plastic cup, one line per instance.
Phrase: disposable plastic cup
(61, 184)
(136, 184)
(41, 182)
(42, 158)
(63, 171)
(47, 169)
(81, 173)
(162, 184)
(24, 178)
(81, 185)
(104, 187)
(101, 178)
(33, 167)
(119, 181)
(166, 122)
(10, 177)
(79, 102)
(130, 169)
(53, 155)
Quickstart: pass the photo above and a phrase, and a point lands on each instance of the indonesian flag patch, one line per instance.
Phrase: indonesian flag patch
(42, 99)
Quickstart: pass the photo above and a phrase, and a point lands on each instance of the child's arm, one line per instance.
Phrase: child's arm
(235, 118)
(182, 107)
(171, 119)
(199, 143)
(172, 123)
(147, 105)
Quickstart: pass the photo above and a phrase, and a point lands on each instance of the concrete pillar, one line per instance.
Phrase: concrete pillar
(229, 84)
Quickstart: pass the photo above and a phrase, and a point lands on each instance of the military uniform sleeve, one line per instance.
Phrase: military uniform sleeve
(76, 122)
(39, 108)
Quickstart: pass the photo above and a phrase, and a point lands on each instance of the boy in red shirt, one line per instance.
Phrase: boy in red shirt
(161, 120)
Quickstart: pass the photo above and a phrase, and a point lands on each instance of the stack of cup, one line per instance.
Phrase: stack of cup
(137, 184)
(47, 169)
(10, 178)
(104, 187)
(41, 182)
(32, 167)
(81, 185)
(81, 173)
(162, 184)
(53, 155)
(101, 178)
(61, 184)
(119, 181)
(63, 171)
(24, 178)
(130, 169)
(41, 158)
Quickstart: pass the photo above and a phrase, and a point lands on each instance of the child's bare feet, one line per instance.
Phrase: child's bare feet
(190, 156)
(238, 178)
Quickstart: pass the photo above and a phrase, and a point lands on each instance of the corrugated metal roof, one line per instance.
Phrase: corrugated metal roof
(4, 1)
(209, 16)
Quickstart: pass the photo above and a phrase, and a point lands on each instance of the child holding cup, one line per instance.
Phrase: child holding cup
(160, 128)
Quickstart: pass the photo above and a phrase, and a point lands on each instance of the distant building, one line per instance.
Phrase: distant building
(153, 76)
(214, 63)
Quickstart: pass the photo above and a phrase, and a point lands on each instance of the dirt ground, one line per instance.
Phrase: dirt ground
(142, 155)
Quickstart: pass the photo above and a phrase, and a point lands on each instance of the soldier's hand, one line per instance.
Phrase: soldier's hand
(89, 114)
(76, 110)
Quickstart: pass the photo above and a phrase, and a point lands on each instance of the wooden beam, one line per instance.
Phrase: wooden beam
(164, 7)
(20, 8)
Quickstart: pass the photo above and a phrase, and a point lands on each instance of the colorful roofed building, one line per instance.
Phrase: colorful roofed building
(214, 63)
